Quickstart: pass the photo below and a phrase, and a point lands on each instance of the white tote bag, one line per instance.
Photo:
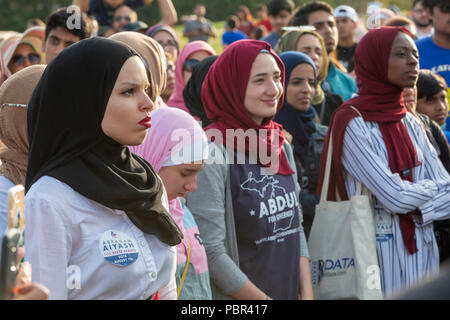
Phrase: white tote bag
(342, 246)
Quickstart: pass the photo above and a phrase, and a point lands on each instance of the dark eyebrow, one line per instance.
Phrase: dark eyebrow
(265, 74)
(135, 84)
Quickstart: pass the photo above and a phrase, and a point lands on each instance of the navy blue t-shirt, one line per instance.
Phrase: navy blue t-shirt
(104, 12)
(268, 229)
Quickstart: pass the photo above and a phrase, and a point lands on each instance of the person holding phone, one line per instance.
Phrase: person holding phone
(100, 227)
(15, 93)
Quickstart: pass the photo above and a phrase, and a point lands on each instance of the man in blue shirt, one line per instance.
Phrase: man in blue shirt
(280, 11)
(434, 50)
(232, 34)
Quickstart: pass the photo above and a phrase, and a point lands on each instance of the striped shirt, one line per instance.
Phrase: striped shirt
(365, 159)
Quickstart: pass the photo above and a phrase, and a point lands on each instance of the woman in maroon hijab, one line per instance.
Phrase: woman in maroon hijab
(384, 147)
(246, 203)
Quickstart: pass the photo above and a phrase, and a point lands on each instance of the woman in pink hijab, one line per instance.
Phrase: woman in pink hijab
(177, 147)
(190, 56)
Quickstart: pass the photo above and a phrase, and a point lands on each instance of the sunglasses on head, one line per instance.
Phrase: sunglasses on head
(118, 18)
(19, 59)
(189, 65)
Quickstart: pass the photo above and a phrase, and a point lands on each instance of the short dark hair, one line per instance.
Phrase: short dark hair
(232, 22)
(276, 6)
(429, 84)
(301, 16)
(59, 18)
(444, 5)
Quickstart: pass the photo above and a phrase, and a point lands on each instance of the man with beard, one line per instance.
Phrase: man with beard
(421, 18)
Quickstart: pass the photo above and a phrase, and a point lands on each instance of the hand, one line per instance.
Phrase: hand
(410, 98)
(24, 275)
(288, 136)
(31, 291)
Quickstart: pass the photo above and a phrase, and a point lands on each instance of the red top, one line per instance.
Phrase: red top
(266, 23)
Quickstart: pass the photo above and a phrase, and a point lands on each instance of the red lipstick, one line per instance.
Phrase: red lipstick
(146, 122)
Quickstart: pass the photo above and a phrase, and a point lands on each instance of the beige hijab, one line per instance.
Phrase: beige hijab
(288, 42)
(15, 93)
(153, 55)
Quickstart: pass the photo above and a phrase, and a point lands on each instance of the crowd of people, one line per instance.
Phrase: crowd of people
(154, 170)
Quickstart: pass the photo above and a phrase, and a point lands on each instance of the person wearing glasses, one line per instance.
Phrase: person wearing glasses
(167, 38)
(104, 11)
(190, 56)
(25, 50)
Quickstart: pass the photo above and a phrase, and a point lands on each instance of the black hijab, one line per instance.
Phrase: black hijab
(67, 142)
(192, 92)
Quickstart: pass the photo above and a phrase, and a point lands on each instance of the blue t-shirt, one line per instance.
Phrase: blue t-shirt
(434, 58)
(341, 83)
(272, 39)
(104, 12)
(231, 36)
(266, 212)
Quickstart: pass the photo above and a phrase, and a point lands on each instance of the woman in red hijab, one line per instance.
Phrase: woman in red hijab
(246, 203)
(384, 147)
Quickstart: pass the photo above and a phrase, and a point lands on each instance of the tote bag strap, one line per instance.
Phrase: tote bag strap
(188, 261)
(326, 180)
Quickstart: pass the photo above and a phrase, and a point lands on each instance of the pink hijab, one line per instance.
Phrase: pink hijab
(176, 100)
(173, 132)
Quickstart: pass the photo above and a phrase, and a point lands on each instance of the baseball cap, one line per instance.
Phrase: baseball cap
(135, 26)
(346, 11)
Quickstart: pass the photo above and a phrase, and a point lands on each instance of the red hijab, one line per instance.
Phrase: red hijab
(378, 101)
(223, 94)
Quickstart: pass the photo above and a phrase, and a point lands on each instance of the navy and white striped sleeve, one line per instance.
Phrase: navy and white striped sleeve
(361, 161)
(437, 208)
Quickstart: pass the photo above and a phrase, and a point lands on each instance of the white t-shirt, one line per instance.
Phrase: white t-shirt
(80, 249)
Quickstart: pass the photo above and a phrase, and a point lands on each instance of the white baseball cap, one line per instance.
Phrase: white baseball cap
(346, 11)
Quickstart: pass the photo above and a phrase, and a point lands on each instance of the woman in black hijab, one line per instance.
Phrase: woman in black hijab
(102, 208)
(192, 92)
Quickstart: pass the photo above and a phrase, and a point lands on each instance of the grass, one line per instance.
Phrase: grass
(216, 42)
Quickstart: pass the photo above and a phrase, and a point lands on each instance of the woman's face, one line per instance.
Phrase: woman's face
(180, 179)
(170, 85)
(301, 87)
(403, 62)
(166, 40)
(197, 56)
(310, 45)
(436, 108)
(264, 88)
(127, 115)
(23, 57)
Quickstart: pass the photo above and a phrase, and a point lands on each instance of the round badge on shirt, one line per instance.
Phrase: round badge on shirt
(118, 248)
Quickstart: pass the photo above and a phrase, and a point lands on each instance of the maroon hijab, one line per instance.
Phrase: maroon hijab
(223, 94)
(377, 101)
